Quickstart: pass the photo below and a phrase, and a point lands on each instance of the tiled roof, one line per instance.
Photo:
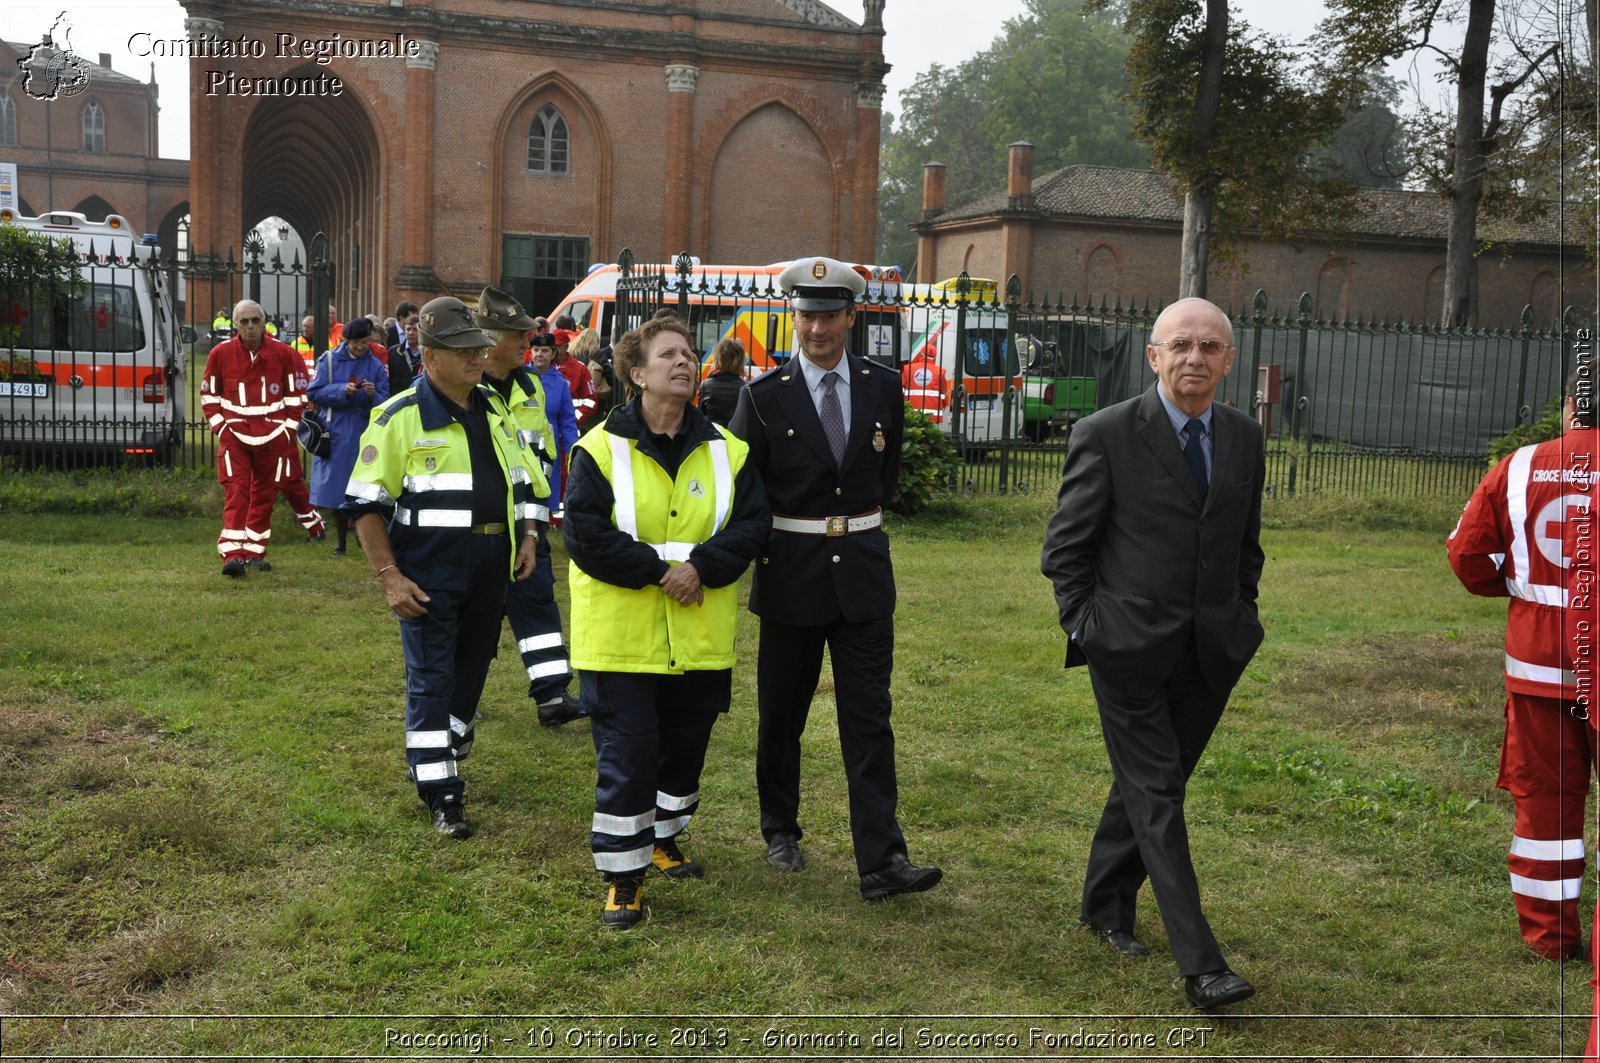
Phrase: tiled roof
(1141, 195)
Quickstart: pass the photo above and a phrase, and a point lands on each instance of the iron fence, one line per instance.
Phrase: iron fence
(1358, 407)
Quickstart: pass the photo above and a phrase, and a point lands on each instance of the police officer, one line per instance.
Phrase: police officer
(465, 494)
(824, 432)
(530, 603)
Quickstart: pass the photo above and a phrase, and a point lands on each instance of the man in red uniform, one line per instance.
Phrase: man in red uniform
(252, 395)
(579, 380)
(925, 386)
(1515, 539)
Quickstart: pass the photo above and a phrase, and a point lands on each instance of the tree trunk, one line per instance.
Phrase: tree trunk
(1196, 250)
(1469, 163)
(1202, 192)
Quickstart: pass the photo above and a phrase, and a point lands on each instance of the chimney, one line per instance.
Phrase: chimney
(105, 60)
(932, 190)
(1019, 182)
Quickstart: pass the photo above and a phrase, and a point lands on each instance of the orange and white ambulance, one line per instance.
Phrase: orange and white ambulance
(744, 302)
(966, 337)
(92, 365)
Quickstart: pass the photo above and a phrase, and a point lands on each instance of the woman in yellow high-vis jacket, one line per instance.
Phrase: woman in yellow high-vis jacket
(662, 517)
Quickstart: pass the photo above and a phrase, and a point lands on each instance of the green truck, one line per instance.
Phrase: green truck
(1057, 388)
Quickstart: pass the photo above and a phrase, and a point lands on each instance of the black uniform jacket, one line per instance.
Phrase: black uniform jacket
(612, 556)
(1139, 564)
(813, 579)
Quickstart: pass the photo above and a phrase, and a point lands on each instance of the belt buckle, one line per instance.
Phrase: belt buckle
(837, 526)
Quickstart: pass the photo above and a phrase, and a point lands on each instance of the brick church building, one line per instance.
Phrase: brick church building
(447, 144)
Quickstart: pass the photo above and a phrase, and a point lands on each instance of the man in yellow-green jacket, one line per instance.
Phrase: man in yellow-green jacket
(466, 495)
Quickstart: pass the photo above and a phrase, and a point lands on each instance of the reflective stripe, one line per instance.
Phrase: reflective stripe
(215, 420)
(1517, 476)
(1541, 849)
(671, 828)
(427, 739)
(259, 536)
(622, 826)
(540, 642)
(251, 411)
(922, 394)
(368, 492)
(519, 475)
(227, 461)
(722, 475)
(254, 548)
(1539, 673)
(442, 481)
(548, 669)
(1553, 889)
(676, 804)
(434, 518)
(464, 751)
(622, 487)
(255, 441)
(461, 728)
(233, 533)
(533, 511)
(1537, 593)
(672, 551)
(435, 772)
(632, 860)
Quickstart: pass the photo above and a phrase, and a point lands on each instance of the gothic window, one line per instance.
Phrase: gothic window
(547, 141)
(8, 121)
(94, 128)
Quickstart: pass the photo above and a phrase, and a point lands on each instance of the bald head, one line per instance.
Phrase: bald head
(1190, 352)
(1185, 308)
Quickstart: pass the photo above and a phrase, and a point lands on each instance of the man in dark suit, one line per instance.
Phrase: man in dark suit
(824, 433)
(1155, 554)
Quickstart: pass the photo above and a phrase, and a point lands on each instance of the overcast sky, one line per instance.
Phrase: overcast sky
(918, 34)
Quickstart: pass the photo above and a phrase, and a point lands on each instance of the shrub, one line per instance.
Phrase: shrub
(1548, 426)
(927, 463)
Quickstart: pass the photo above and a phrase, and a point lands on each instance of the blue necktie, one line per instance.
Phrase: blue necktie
(1194, 431)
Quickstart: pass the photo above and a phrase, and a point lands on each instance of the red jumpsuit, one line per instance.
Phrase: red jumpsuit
(1515, 539)
(581, 383)
(252, 401)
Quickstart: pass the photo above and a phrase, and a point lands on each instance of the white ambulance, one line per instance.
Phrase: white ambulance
(90, 368)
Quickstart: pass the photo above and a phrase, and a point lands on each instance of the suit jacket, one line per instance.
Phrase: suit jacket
(1137, 562)
(813, 579)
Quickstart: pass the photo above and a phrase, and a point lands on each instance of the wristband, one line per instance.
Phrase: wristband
(384, 569)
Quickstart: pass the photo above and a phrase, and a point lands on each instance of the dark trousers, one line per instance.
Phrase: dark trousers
(447, 652)
(536, 623)
(787, 669)
(650, 736)
(1154, 744)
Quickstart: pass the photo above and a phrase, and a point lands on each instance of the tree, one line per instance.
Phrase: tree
(1234, 117)
(1373, 147)
(35, 269)
(1054, 77)
(1476, 156)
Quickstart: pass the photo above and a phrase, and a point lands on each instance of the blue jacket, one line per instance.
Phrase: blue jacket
(347, 417)
(563, 424)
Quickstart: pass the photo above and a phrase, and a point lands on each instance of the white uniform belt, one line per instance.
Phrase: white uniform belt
(832, 527)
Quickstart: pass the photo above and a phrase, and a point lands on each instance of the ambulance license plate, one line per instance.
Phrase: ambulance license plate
(24, 389)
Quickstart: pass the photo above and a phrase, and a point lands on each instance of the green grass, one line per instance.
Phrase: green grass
(205, 814)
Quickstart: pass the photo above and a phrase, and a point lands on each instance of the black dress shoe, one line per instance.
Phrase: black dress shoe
(557, 710)
(901, 876)
(1121, 942)
(1214, 990)
(233, 568)
(783, 853)
(449, 818)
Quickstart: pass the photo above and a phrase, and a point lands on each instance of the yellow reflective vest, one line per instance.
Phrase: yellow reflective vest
(616, 629)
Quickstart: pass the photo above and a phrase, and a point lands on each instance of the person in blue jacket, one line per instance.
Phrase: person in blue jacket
(558, 409)
(350, 381)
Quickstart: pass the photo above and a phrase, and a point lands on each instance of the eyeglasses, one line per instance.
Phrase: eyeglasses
(1182, 345)
(249, 320)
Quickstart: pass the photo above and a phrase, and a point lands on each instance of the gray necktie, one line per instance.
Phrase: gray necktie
(833, 415)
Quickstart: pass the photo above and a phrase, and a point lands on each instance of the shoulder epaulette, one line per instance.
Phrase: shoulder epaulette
(394, 406)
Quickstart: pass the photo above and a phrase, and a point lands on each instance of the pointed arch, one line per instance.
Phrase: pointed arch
(94, 208)
(583, 121)
(94, 127)
(734, 113)
(8, 120)
(1102, 270)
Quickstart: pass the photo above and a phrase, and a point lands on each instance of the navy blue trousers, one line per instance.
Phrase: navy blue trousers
(650, 735)
(536, 622)
(448, 651)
